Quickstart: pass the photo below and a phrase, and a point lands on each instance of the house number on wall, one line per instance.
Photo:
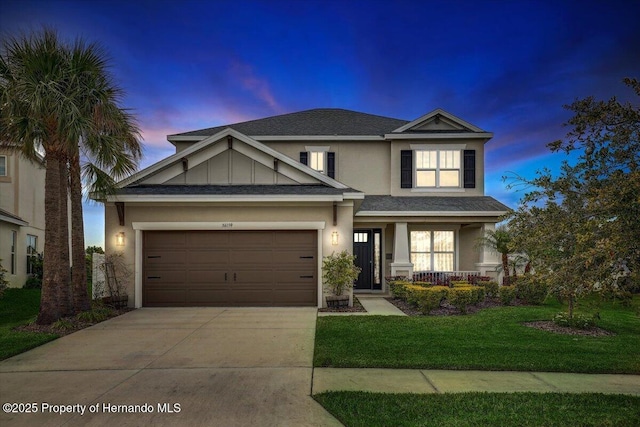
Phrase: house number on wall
(227, 224)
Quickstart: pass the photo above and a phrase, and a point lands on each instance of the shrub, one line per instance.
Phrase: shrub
(491, 288)
(3, 283)
(459, 283)
(506, 294)
(423, 284)
(339, 272)
(32, 283)
(460, 298)
(531, 289)
(428, 299)
(577, 321)
(399, 288)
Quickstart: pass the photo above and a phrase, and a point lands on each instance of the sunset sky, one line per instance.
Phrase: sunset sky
(506, 66)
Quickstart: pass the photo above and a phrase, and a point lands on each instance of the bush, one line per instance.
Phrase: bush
(491, 288)
(399, 288)
(3, 283)
(531, 289)
(578, 321)
(423, 284)
(459, 283)
(97, 314)
(427, 299)
(339, 272)
(460, 298)
(33, 283)
(506, 294)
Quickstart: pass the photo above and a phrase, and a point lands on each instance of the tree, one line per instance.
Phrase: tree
(59, 97)
(500, 241)
(581, 228)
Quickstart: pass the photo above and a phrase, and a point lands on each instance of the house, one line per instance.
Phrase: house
(21, 215)
(243, 214)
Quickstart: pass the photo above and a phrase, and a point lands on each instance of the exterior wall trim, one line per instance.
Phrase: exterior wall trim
(456, 135)
(228, 198)
(139, 227)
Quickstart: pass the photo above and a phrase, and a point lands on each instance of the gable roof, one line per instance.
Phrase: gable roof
(11, 218)
(213, 139)
(319, 121)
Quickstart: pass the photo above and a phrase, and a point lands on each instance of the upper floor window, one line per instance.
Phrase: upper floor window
(438, 168)
(317, 159)
(3, 165)
(320, 159)
(434, 168)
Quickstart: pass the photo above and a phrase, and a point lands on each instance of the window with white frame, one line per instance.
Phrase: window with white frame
(316, 160)
(32, 252)
(438, 168)
(3, 166)
(433, 250)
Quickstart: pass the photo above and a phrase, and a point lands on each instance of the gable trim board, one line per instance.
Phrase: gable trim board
(438, 112)
(173, 164)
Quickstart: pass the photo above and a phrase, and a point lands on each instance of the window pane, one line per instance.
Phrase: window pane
(426, 178)
(443, 241)
(3, 166)
(449, 179)
(449, 159)
(426, 159)
(421, 262)
(443, 262)
(317, 160)
(420, 241)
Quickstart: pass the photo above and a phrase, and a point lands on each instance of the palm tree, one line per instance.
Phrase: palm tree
(60, 98)
(499, 241)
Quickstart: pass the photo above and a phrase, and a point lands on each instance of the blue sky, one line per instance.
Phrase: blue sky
(505, 66)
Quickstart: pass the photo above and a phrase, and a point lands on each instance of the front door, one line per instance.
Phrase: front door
(367, 249)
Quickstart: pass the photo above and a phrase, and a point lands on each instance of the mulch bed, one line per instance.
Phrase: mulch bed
(544, 325)
(357, 308)
(71, 324)
(549, 326)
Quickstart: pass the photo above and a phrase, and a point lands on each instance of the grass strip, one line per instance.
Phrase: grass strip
(366, 409)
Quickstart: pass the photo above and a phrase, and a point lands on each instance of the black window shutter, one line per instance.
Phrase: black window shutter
(303, 158)
(469, 168)
(406, 169)
(331, 164)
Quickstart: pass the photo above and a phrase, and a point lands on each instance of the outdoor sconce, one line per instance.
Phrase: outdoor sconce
(334, 238)
(120, 239)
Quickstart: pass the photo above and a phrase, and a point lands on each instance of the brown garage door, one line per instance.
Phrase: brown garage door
(229, 268)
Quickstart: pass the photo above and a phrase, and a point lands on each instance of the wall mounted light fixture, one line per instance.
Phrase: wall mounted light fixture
(120, 239)
(334, 238)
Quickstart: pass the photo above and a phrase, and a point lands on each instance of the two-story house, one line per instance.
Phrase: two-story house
(21, 215)
(243, 214)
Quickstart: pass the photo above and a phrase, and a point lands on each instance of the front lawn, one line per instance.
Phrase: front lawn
(492, 339)
(17, 307)
(481, 409)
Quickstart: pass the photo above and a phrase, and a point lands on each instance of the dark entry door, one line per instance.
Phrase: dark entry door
(363, 250)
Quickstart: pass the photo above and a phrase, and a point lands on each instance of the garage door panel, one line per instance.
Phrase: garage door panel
(209, 257)
(227, 268)
(295, 239)
(205, 239)
(243, 257)
(165, 239)
(155, 257)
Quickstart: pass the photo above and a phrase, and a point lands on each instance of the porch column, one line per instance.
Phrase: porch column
(401, 265)
(488, 260)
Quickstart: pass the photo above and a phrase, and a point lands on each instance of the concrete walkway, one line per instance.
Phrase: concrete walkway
(220, 366)
(376, 305)
(444, 381)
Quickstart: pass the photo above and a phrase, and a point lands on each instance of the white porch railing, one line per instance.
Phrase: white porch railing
(445, 277)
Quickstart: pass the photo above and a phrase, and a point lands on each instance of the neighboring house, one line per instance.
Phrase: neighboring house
(242, 214)
(21, 215)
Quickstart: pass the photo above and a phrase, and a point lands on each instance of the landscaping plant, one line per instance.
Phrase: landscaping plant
(339, 271)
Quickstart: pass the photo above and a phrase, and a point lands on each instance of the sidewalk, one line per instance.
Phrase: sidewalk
(446, 381)
(375, 304)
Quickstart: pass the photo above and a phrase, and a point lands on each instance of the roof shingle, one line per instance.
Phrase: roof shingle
(431, 204)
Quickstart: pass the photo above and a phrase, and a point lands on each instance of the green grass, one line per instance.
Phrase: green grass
(492, 339)
(481, 409)
(18, 307)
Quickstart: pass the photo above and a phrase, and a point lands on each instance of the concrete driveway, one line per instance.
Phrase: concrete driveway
(180, 366)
